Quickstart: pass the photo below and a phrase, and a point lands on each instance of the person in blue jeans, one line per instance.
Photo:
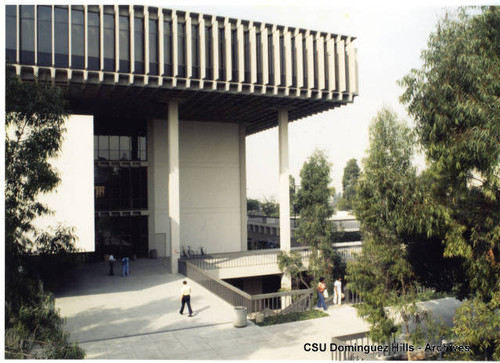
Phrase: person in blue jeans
(321, 296)
(125, 266)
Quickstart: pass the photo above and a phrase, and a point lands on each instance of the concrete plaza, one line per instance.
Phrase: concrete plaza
(137, 317)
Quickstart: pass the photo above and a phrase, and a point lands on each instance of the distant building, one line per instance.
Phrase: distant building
(161, 103)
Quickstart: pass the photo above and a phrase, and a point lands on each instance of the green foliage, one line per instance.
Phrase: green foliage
(270, 208)
(454, 100)
(294, 207)
(291, 263)
(34, 121)
(314, 227)
(349, 180)
(253, 206)
(382, 273)
(291, 317)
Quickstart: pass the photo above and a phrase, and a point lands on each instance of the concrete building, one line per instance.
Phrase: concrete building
(161, 102)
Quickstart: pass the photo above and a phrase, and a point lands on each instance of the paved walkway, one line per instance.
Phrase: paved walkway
(136, 317)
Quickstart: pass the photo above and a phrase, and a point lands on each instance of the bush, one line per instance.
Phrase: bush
(288, 318)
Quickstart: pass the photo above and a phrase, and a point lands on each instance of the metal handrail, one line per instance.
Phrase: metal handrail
(274, 302)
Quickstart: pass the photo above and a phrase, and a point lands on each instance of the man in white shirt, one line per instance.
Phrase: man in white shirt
(186, 298)
(337, 287)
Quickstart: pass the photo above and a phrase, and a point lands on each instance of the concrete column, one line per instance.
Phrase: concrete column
(284, 189)
(243, 188)
(173, 182)
(284, 194)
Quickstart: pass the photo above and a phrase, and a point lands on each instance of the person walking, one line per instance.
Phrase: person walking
(186, 298)
(125, 266)
(111, 264)
(337, 287)
(321, 296)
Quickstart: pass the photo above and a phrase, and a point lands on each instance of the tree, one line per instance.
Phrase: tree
(349, 179)
(253, 206)
(382, 273)
(270, 207)
(34, 122)
(454, 100)
(314, 226)
(294, 208)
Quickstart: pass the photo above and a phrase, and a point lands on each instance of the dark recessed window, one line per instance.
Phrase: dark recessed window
(27, 34)
(304, 61)
(61, 38)
(222, 54)
(195, 50)
(181, 49)
(246, 43)
(327, 81)
(10, 33)
(167, 47)
(294, 63)
(259, 57)
(44, 31)
(139, 45)
(208, 52)
(94, 41)
(282, 60)
(234, 55)
(153, 46)
(315, 63)
(77, 39)
(124, 44)
(270, 56)
(109, 42)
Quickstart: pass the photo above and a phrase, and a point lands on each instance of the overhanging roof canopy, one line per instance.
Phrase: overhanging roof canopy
(135, 59)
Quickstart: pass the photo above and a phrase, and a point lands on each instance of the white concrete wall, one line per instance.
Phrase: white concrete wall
(159, 225)
(210, 186)
(73, 199)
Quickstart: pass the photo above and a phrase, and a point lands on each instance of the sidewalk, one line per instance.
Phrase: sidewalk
(137, 317)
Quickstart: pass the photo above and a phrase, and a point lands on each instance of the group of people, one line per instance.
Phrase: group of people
(323, 292)
(125, 266)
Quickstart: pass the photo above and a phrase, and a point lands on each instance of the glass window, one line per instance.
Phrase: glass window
(315, 63)
(270, 57)
(27, 34)
(208, 52)
(93, 41)
(304, 61)
(10, 33)
(246, 47)
(294, 64)
(124, 44)
(234, 54)
(109, 42)
(282, 60)
(222, 54)
(326, 66)
(44, 32)
(181, 49)
(195, 53)
(61, 29)
(77, 39)
(153, 46)
(139, 44)
(259, 57)
(141, 150)
(167, 47)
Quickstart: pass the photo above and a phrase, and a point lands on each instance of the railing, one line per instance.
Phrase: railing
(242, 259)
(342, 224)
(359, 347)
(274, 303)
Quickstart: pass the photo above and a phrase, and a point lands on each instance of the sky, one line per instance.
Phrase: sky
(390, 38)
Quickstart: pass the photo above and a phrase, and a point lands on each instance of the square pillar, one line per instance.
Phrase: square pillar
(243, 187)
(173, 183)
(284, 188)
